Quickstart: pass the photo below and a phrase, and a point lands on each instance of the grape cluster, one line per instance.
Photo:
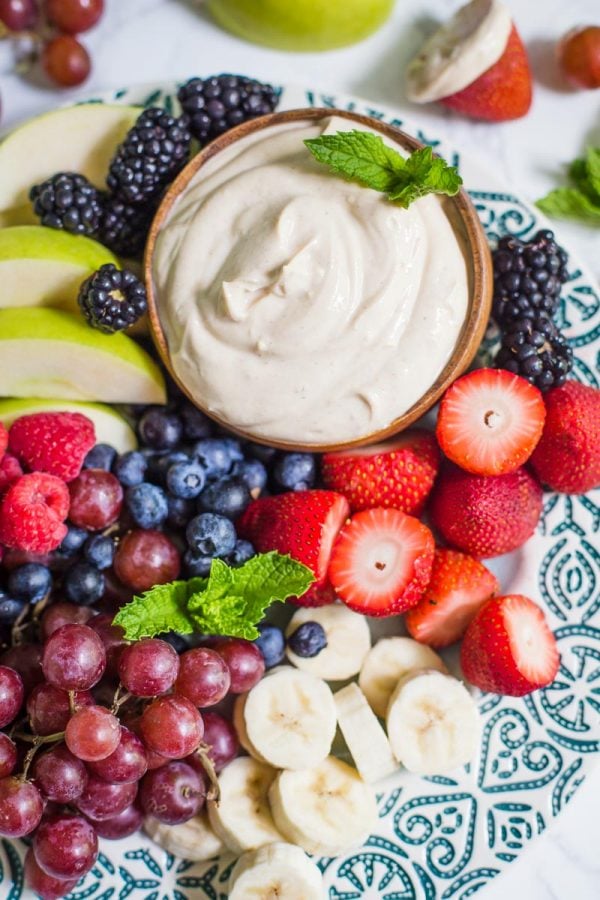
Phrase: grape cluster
(55, 24)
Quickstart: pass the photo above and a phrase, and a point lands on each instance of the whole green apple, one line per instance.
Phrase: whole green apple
(301, 24)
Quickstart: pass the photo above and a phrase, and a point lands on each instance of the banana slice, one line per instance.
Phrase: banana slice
(433, 723)
(278, 870)
(290, 719)
(389, 661)
(348, 642)
(326, 810)
(364, 736)
(240, 726)
(242, 818)
(194, 840)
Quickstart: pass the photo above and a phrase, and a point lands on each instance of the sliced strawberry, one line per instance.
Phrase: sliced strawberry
(381, 562)
(399, 473)
(458, 587)
(302, 523)
(508, 648)
(490, 421)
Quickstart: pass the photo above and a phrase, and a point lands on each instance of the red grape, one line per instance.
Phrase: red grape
(26, 659)
(60, 614)
(579, 56)
(172, 726)
(102, 800)
(173, 793)
(203, 677)
(113, 638)
(67, 63)
(49, 710)
(45, 886)
(74, 16)
(12, 694)
(59, 775)
(74, 658)
(65, 846)
(93, 733)
(244, 661)
(96, 495)
(221, 739)
(125, 764)
(8, 755)
(146, 558)
(121, 825)
(149, 667)
(21, 807)
(18, 15)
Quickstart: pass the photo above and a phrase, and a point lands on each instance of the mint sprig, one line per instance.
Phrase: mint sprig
(229, 602)
(580, 200)
(364, 157)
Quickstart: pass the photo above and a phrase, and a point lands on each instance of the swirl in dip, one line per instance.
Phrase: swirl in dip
(298, 306)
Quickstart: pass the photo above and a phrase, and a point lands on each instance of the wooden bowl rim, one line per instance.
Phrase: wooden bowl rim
(477, 254)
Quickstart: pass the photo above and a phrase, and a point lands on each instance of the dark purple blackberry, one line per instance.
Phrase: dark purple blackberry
(216, 104)
(535, 349)
(153, 152)
(528, 276)
(69, 202)
(112, 299)
(124, 228)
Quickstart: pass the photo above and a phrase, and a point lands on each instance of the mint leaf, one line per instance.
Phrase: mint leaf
(364, 157)
(592, 166)
(570, 203)
(163, 608)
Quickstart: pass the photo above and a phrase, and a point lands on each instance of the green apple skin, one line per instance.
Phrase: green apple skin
(45, 267)
(75, 139)
(53, 354)
(305, 25)
(111, 427)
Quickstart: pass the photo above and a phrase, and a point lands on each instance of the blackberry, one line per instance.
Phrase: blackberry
(69, 202)
(528, 276)
(535, 349)
(152, 154)
(214, 105)
(112, 299)
(124, 227)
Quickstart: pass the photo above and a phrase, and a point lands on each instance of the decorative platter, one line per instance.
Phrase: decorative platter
(442, 837)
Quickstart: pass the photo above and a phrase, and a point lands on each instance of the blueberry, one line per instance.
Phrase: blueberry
(234, 448)
(242, 552)
(147, 504)
(30, 582)
(214, 453)
(253, 473)
(186, 479)
(160, 463)
(197, 565)
(102, 456)
(271, 644)
(159, 428)
(179, 511)
(211, 535)
(261, 452)
(99, 550)
(226, 497)
(130, 468)
(308, 640)
(175, 640)
(83, 584)
(295, 471)
(73, 540)
(10, 608)
(195, 424)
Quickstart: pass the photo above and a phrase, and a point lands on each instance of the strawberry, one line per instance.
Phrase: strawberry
(490, 421)
(302, 523)
(502, 92)
(567, 457)
(52, 442)
(399, 473)
(485, 515)
(459, 585)
(508, 647)
(381, 562)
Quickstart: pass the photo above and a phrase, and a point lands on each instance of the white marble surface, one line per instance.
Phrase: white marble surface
(150, 40)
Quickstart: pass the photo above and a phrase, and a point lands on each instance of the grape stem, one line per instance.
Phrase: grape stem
(214, 792)
(119, 699)
(37, 741)
(19, 626)
(72, 704)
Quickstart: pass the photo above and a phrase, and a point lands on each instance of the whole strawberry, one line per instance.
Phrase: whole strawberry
(567, 458)
(53, 442)
(32, 513)
(398, 474)
(486, 515)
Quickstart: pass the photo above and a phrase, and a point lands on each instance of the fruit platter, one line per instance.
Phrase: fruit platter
(299, 568)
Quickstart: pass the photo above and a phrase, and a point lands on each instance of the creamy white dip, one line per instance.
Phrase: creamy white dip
(298, 306)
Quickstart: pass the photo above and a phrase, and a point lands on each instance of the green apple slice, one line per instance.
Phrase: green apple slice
(74, 139)
(45, 267)
(51, 353)
(111, 427)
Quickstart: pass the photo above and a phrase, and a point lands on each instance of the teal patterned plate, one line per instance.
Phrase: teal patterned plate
(443, 837)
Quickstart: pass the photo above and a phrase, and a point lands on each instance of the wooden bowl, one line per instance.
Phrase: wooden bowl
(466, 225)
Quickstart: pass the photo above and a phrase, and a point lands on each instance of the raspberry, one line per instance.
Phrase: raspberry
(10, 470)
(56, 443)
(3, 440)
(32, 513)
